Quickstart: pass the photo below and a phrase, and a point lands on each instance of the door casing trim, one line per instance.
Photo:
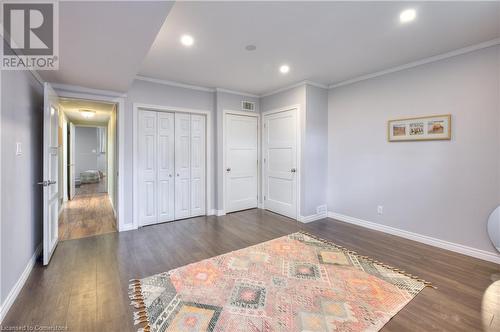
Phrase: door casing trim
(76, 92)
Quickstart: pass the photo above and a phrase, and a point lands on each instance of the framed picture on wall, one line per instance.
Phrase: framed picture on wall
(425, 128)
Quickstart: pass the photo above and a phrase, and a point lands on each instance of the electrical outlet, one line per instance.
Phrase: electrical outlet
(321, 209)
(380, 209)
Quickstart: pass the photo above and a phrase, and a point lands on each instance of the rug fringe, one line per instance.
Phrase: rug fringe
(144, 329)
(137, 301)
(426, 283)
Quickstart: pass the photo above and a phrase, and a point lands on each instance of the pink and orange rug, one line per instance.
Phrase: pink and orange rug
(294, 283)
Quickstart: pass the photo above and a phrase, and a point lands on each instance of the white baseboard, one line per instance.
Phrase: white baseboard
(211, 212)
(459, 248)
(14, 292)
(313, 217)
(219, 213)
(127, 227)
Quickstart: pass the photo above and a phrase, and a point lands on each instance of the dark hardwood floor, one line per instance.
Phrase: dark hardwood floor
(85, 286)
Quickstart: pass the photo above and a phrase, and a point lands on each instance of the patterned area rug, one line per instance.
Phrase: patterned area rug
(294, 283)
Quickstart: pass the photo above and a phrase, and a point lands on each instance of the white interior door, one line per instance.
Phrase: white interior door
(72, 174)
(280, 162)
(198, 138)
(241, 162)
(166, 167)
(147, 167)
(182, 165)
(50, 172)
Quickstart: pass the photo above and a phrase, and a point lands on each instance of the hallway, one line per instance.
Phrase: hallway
(89, 213)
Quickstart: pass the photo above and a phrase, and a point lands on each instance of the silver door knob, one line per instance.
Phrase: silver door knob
(52, 182)
(228, 169)
(293, 170)
(43, 183)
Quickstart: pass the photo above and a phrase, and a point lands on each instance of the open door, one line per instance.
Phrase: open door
(50, 172)
(72, 175)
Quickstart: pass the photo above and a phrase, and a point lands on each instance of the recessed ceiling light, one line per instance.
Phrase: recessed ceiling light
(250, 47)
(187, 40)
(407, 15)
(87, 114)
(284, 69)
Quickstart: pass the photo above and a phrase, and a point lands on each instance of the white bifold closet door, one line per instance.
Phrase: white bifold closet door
(166, 167)
(171, 166)
(198, 165)
(182, 166)
(190, 165)
(156, 167)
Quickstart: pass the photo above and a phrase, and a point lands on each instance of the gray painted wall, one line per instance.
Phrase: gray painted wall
(86, 152)
(226, 102)
(313, 103)
(22, 111)
(442, 189)
(314, 176)
(161, 95)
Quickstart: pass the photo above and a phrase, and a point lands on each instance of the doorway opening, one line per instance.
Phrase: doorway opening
(88, 168)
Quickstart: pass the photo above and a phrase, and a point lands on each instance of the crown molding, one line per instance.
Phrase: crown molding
(81, 89)
(234, 92)
(443, 56)
(172, 83)
(316, 84)
(295, 85)
(237, 92)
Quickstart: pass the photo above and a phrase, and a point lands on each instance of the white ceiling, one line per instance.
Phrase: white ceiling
(325, 42)
(72, 108)
(102, 44)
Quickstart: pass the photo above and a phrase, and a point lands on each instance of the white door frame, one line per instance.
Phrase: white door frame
(209, 157)
(71, 91)
(299, 152)
(65, 161)
(224, 166)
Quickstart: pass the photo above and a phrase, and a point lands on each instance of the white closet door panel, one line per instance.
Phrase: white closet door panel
(280, 153)
(147, 167)
(241, 162)
(182, 165)
(166, 167)
(198, 161)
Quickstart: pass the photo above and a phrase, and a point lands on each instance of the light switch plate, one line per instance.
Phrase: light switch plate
(19, 149)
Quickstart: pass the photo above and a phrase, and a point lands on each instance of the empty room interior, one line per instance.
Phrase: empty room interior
(250, 166)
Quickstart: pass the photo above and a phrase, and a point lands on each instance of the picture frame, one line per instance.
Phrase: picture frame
(424, 128)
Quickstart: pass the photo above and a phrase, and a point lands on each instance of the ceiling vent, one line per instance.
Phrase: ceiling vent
(248, 106)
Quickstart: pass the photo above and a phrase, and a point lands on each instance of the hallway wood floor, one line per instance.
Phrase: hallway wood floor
(85, 286)
(88, 214)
